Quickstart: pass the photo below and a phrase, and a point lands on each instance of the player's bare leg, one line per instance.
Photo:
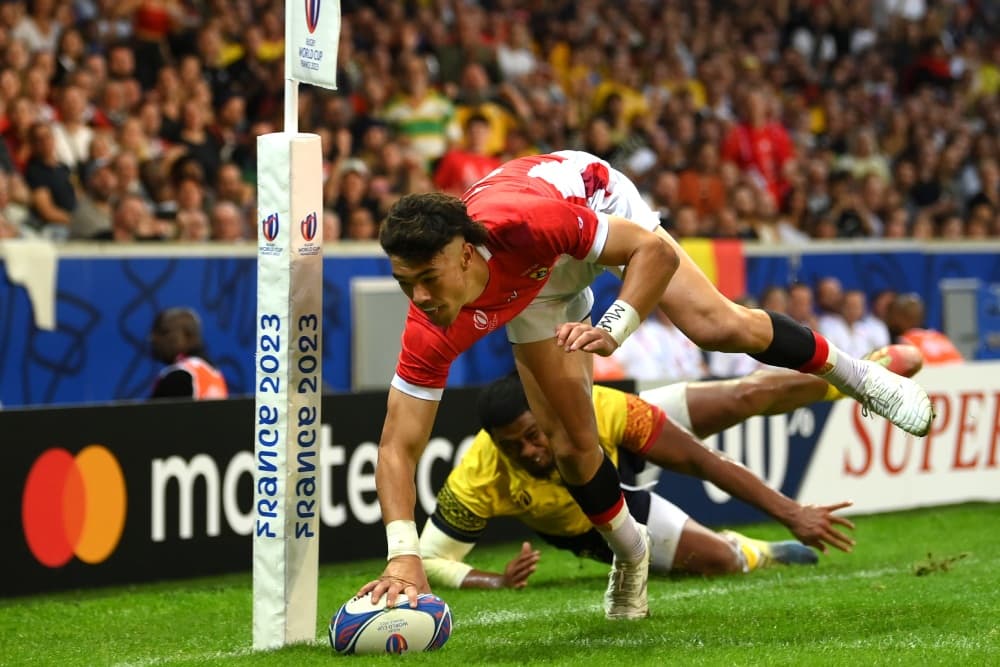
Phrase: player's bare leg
(556, 385)
(715, 405)
(713, 322)
(682, 545)
(705, 552)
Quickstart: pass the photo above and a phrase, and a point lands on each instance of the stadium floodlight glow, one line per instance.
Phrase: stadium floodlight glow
(289, 354)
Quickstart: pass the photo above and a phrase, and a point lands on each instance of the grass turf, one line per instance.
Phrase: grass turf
(921, 588)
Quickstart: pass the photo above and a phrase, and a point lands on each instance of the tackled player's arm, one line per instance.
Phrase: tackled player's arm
(649, 263)
(676, 449)
(448, 537)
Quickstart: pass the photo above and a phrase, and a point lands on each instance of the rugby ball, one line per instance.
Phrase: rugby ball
(363, 628)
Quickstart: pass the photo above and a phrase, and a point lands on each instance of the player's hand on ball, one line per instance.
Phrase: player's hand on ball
(573, 336)
(403, 574)
(522, 566)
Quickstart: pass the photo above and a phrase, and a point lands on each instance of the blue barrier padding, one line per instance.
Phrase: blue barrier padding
(105, 305)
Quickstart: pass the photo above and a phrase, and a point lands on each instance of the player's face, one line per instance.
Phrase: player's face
(438, 287)
(524, 443)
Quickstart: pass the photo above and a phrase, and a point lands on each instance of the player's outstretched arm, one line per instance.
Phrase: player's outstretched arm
(515, 574)
(649, 265)
(813, 525)
(407, 428)
(444, 560)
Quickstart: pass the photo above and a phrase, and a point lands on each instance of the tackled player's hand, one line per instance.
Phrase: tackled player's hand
(521, 566)
(816, 526)
(402, 574)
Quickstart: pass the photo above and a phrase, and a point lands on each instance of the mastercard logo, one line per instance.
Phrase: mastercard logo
(74, 506)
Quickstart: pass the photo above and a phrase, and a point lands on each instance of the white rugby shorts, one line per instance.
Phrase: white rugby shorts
(665, 525)
(567, 296)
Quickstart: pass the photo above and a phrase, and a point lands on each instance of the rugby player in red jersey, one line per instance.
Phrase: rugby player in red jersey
(554, 221)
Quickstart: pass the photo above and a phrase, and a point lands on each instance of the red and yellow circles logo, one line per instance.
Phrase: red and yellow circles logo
(74, 505)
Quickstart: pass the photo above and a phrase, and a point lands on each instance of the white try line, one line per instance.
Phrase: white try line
(209, 658)
(718, 586)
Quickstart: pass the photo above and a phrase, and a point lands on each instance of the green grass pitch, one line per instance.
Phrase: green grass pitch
(921, 588)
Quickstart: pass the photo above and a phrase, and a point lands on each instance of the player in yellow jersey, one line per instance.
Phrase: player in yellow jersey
(509, 471)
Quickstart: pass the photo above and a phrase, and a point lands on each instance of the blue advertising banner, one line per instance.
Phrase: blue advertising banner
(105, 303)
(105, 307)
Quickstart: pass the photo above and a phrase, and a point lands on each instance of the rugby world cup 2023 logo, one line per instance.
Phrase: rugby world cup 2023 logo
(269, 227)
(312, 15)
(309, 225)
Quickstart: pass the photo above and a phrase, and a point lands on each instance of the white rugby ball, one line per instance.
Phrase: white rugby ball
(364, 628)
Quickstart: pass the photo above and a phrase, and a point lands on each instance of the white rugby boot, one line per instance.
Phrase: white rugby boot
(626, 594)
(900, 400)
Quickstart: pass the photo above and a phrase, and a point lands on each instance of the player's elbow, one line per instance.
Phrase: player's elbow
(663, 256)
(655, 261)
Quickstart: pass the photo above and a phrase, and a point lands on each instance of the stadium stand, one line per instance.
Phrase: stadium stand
(830, 119)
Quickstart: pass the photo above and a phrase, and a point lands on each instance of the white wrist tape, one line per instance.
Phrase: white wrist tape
(402, 538)
(620, 320)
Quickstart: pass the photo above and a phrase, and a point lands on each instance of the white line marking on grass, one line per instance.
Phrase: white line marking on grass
(838, 645)
(209, 657)
(716, 586)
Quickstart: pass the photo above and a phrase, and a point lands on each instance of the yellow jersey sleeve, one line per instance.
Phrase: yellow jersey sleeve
(475, 492)
(484, 484)
(625, 420)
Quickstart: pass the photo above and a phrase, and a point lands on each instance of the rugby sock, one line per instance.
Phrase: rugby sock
(792, 345)
(601, 499)
(841, 370)
(799, 347)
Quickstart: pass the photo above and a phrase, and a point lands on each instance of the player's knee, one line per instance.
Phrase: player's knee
(752, 393)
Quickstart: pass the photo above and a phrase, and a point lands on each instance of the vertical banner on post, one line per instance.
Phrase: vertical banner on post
(287, 411)
(312, 38)
(289, 336)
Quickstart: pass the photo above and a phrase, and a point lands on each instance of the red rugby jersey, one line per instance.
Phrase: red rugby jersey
(532, 219)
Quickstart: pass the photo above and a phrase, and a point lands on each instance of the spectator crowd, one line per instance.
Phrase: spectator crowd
(659, 351)
(775, 120)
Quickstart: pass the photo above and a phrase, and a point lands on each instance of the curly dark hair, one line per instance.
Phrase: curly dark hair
(501, 402)
(420, 225)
